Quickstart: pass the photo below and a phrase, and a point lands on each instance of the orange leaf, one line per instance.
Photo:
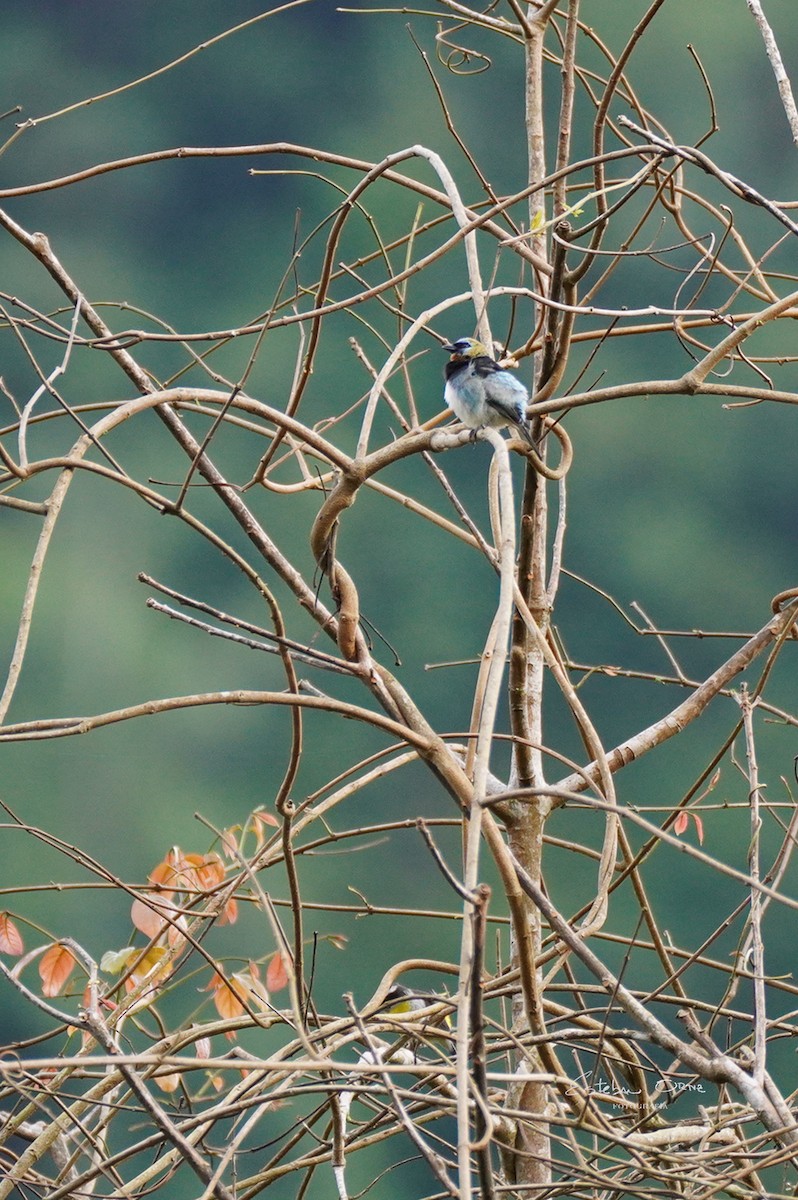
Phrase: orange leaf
(227, 997)
(168, 1083)
(681, 823)
(162, 874)
(174, 871)
(10, 937)
(230, 914)
(55, 967)
(276, 974)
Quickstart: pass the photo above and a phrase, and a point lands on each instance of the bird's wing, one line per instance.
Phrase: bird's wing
(507, 395)
(484, 366)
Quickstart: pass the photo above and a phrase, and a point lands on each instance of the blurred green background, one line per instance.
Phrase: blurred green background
(680, 504)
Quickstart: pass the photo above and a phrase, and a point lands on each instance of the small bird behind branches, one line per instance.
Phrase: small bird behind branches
(402, 1000)
(481, 393)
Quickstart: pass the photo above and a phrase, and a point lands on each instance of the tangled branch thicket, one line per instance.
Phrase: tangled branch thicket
(587, 1051)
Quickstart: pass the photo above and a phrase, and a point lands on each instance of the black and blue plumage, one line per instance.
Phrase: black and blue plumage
(481, 393)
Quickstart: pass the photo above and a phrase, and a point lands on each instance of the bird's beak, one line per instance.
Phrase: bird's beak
(450, 348)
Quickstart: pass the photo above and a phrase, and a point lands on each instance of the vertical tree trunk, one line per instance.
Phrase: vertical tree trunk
(531, 1168)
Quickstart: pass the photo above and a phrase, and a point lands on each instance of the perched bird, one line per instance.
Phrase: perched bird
(481, 393)
(402, 999)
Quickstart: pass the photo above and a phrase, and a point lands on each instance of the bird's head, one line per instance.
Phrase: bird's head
(465, 348)
(401, 999)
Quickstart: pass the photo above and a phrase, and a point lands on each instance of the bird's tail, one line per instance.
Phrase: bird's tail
(524, 429)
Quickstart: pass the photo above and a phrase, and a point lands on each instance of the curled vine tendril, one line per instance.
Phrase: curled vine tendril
(459, 59)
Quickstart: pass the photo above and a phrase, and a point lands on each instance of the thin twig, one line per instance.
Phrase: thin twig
(774, 55)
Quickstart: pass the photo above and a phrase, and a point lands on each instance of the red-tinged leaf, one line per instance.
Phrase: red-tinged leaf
(699, 828)
(173, 872)
(338, 941)
(202, 1047)
(190, 875)
(257, 990)
(217, 1082)
(276, 973)
(10, 937)
(681, 823)
(209, 871)
(163, 877)
(228, 997)
(185, 870)
(713, 783)
(266, 818)
(259, 821)
(55, 967)
(230, 914)
(147, 916)
(230, 842)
